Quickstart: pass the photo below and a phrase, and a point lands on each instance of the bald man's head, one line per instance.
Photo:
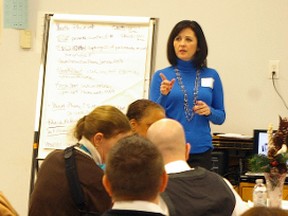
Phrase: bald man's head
(169, 136)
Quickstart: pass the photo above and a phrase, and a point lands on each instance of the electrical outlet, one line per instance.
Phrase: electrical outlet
(273, 69)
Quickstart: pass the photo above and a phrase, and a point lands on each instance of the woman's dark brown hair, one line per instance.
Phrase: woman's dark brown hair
(202, 49)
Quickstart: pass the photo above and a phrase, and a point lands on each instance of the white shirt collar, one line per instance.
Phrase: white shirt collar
(138, 205)
(94, 153)
(177, 167)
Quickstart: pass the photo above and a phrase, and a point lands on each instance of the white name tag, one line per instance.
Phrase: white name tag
(207, 82)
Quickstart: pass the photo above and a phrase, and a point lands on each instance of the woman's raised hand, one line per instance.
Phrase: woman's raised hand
(166, 85)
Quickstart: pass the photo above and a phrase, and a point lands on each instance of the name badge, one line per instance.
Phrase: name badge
(207, 82)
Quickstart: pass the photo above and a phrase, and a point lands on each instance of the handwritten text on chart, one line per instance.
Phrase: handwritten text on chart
(90, 64)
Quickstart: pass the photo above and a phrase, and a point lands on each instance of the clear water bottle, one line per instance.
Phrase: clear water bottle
(260, 193)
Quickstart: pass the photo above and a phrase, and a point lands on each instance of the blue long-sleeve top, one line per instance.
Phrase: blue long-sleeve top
(197, 131)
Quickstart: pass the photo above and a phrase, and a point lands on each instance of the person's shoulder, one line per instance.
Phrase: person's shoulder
(210, 173)
(54, 158)
(54, 154)
(196, 172)
(210, 71)
(5, 206)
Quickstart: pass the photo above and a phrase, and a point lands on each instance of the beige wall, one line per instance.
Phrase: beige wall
(243, 35)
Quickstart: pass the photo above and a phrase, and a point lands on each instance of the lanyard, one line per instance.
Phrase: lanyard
(84, 148)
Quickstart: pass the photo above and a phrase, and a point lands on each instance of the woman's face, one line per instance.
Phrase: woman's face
(140, 127)
(185, 44)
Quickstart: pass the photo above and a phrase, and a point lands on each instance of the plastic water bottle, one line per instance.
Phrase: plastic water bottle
(260, 193)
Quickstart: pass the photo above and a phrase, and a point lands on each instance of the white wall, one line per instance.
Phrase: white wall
(243, 35)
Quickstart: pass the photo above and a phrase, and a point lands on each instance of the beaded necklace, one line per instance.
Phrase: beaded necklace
(189, 113)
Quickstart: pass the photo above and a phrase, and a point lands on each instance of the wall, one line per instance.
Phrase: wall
(243, 35)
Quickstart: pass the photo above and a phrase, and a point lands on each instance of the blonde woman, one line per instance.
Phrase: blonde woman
(96, 133)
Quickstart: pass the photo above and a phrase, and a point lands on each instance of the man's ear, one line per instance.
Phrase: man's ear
(133, 124)
(164, 182)
(187, 151)
(97, 138)
(107, 185)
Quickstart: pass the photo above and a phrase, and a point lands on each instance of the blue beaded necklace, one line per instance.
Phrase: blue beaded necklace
(189, 113)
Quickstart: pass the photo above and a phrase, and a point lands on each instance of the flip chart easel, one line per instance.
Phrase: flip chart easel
(88, 61)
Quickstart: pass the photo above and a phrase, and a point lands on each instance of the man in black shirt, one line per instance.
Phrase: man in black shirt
(191, 191)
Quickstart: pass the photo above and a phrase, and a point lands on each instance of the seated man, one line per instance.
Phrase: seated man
(134, 177)
(191, 191)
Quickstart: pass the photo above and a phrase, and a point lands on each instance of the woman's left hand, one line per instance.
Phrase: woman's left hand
(201, 108)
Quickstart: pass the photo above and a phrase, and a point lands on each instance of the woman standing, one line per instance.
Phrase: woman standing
(96, 133)
(189, 91)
